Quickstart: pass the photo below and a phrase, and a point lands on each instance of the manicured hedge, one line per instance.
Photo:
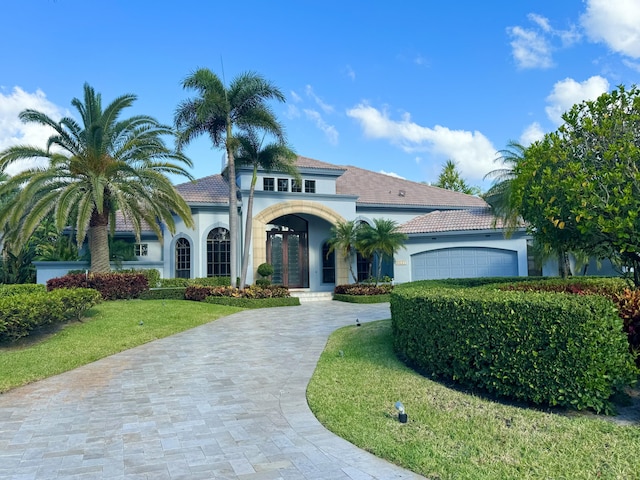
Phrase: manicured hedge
(20, 314)
(174, 293)
(185, 282)
(254, 302)
(363, 289)
(201, 292)
(112, 286)
(361, 298)
(545, 348)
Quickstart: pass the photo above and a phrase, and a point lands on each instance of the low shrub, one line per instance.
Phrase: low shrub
(254, 302)
(174, 293)
(628, 303)
(545, 348)
(20, 314)
(185, 282)
(201, 292)
(18, 289)
(112, 286)
(362, 298)
(152, 274)
(608, 287)
(363, 289)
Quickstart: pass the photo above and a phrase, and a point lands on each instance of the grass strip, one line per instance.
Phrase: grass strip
(108, 328)
(452, 434)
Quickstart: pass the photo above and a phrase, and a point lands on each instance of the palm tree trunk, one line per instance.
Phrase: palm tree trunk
(248, 227)
(99, 248)
(233, 207)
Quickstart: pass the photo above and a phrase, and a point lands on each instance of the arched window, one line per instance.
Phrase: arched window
(328, 264)
(183, 258)
(218, 257)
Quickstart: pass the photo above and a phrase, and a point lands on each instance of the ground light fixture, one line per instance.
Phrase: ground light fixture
(402, 415)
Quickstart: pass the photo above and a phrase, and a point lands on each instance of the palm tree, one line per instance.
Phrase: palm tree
(274, 156)
(382, 240)
(344, 237)
(217, 111)
(96, 167)
(499, 195)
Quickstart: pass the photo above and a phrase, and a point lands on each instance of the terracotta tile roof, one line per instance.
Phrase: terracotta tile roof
(124, 225)
(452, 221)
(304, 162)
(381, 189)
(211, 189)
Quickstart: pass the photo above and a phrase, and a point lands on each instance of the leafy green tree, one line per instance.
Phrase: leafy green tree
(218, 111)
(382, 240)
(273, 156)
(96, 167)
(451, 179)
(508, 211)
(344, 238)
(580, 186)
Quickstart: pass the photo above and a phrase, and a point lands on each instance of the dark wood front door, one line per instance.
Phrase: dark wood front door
(288, 252)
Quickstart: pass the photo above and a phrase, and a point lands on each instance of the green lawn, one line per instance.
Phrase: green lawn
(110, 327)
(451, 434)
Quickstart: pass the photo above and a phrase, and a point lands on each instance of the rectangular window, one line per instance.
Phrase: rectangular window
(268, 184)
(141, 249)
(296, 185)
(310, 186)
(283, 184)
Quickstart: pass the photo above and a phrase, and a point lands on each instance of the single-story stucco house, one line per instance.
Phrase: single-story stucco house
(450, 234)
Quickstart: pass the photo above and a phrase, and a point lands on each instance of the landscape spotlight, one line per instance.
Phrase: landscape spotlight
(402, 416)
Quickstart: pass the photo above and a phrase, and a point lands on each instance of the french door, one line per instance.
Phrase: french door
(288, 252)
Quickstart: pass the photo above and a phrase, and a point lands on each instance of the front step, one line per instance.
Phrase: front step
(307, 296)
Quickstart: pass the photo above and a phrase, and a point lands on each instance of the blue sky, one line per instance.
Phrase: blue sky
(396, 87)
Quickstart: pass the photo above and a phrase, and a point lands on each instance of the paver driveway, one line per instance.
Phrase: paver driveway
(222, 401)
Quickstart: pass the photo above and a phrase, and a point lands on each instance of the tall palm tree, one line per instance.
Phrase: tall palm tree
(274, 156)
(217, 111)
(95, 167)
(382, 240)
(499, 195)
(344, 237)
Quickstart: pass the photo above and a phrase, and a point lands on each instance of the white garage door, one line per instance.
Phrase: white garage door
(464, 262)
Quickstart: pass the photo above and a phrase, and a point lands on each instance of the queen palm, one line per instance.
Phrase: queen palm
(344, 237)
(218, 111)
(382, 240)
(94, 168)
(274, 156)
(499, 195)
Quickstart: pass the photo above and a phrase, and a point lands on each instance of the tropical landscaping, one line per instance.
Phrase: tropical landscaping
(492, 371)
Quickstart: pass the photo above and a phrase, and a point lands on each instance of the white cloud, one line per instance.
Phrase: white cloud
(329, 130)
(391, 174)
(541, 21)
(296, 98)
(420, 60)
(566, 93)
(531, 134)
(292, 112)
(326, 108)
(632, 65)
(614, 22)
(472, 151)
(533, 47)
(350, 72)
(529, 49)
(14, 132)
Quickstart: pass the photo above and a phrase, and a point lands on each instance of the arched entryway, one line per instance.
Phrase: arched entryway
(306, 210)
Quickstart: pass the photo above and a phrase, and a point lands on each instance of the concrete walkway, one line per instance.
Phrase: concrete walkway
(221, 401)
